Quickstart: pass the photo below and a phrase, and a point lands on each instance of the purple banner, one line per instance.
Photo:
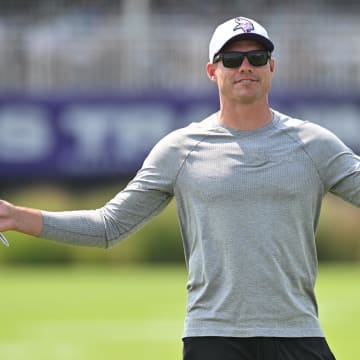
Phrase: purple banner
(101, 136)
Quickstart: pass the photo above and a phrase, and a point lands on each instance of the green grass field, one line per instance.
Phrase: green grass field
(134, 313)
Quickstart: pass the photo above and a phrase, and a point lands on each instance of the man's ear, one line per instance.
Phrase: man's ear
(211, 71)
(272, 65)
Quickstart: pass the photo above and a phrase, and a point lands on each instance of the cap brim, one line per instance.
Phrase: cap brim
(249, 36)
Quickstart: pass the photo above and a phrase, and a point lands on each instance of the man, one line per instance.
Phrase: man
(248, 183)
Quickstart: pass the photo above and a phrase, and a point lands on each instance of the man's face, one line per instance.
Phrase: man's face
(245, 84)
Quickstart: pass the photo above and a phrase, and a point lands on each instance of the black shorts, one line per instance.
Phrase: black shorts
(256, 348)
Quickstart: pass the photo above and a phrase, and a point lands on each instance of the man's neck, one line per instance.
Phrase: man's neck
(245, 117)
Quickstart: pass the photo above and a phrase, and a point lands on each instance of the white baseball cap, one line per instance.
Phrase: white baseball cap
(238, 28)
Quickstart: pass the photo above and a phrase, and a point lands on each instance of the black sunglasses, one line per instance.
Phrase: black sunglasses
(234, 59)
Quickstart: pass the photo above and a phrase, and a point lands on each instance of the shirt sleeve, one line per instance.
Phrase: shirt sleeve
(337, 164)
(144, 197)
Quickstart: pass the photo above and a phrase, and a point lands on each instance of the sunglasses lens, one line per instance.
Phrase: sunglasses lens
(258, 58)
(235, 59)
(232, 60)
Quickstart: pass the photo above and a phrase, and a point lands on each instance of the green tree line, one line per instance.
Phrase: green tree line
(338, 235)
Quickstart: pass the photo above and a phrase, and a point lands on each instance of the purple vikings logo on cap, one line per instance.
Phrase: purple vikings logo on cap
(243, 24)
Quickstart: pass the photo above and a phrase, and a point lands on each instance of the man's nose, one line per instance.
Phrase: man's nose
(245, 65)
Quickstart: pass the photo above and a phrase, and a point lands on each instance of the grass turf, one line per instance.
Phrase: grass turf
(133, 313)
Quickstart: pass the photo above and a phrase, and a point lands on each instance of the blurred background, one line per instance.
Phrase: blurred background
(86, 89)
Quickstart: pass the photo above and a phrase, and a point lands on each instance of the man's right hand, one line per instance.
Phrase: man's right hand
(26, 220)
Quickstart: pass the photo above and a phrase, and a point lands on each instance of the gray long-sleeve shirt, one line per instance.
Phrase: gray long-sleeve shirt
(248, 205)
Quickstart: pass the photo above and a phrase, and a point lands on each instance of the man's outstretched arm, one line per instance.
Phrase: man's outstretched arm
(26, 220)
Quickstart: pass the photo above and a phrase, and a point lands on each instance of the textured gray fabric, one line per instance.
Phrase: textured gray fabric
(248, 205)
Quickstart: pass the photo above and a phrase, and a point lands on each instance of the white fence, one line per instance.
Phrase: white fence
(96, 52)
